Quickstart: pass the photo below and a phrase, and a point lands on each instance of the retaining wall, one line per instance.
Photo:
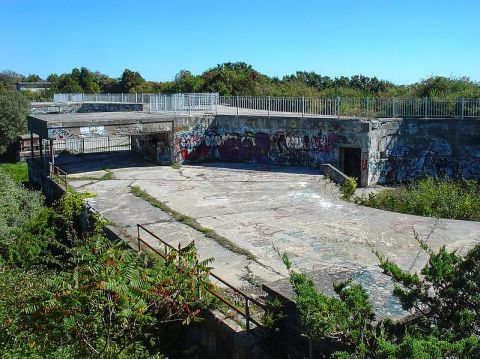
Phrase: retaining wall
(405, 149)
(307, 142)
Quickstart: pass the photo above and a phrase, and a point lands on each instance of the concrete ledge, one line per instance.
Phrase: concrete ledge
(333, 173)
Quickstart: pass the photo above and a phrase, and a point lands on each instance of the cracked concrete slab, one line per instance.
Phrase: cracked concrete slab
(260, 207)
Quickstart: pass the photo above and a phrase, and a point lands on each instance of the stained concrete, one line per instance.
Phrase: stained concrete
(258, 207)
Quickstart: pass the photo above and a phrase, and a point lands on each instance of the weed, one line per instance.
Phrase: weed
(348, 187)
(191, 222)
(440, 198)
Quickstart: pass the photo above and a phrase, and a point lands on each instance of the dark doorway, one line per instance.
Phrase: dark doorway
(352, 162)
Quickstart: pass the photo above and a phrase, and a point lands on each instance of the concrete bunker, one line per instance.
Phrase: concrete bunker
(82, 133)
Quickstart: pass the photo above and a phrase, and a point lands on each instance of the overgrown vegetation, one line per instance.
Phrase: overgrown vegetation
(348, 187)
(16, 171)
(444, 198)
(14, 108)
(191, 222)
(66, 291)
(445, 297)
(107, 176)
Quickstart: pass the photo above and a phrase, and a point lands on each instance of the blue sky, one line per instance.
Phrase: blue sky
(402, 41)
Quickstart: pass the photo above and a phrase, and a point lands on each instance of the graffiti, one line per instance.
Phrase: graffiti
(93, 131)
(284, 147)
(261, 228)
(60, 133)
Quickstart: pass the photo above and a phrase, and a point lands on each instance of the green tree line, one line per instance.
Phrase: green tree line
(239, 78)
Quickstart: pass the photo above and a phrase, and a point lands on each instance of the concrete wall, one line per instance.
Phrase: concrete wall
(305, 142)
(109, 107)
(405, 149)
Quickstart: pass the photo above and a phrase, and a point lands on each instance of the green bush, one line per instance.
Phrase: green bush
(14, 108)
(348, 187)
(441, 198)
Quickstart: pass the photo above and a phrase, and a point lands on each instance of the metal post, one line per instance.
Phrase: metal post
(269, 102)
(108, 143)
(52, 153)
(189, 104)
(138, 236)
(32, 150)
(247, 314)
(366, 106)
(237, 106)
(394, 109)
(41, 151)
(83, 145)
(337, 106)
(462, 107)
(303, 106)
(425, 104)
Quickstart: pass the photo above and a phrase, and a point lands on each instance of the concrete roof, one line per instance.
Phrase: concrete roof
(40, 123)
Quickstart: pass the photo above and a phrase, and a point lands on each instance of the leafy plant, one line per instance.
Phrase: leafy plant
(348, 187)
(431, 197)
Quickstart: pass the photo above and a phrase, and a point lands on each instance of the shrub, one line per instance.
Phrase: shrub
(348, 187)
(14, 108)
(431, 197)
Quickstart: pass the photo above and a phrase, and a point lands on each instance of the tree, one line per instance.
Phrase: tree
(88, 81)
(130, 80)
(230, 78)
(14, 108)
(187, 83)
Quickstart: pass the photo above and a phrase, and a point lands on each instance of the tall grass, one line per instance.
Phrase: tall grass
(17, 171)
(442, 198)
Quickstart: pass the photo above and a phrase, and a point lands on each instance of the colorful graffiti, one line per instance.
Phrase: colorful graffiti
(304, 148)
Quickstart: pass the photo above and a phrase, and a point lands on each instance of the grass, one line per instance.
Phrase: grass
(439, 198)
(17, 171)
(191, 222)
(106, 177)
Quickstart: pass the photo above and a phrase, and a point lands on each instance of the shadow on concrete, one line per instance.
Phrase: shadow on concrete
(258, 167)
(100, 161)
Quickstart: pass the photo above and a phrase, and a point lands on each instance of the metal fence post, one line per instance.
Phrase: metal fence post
(394, 110)
(462, 107)
(366, 106)
(122, 97)
(189, 104)
(425, 105)
(337, 106)
(237, 106)
(138, 236)
(247, 314)
(303, 106)
(269, 98)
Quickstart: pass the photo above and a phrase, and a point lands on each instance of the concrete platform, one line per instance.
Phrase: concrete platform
(261, 208)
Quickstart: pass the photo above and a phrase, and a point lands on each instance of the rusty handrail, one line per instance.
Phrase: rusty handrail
(57, 172)
(244, 313)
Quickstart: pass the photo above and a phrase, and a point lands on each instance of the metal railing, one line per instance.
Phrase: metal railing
(58, 175)
(291, 106)
(93, 144)
(184, 103)
(102, 97)
(348, 107)
(247, 301)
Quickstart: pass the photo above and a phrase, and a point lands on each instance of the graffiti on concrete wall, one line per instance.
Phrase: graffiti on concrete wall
(276, 146)
(60, 133)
